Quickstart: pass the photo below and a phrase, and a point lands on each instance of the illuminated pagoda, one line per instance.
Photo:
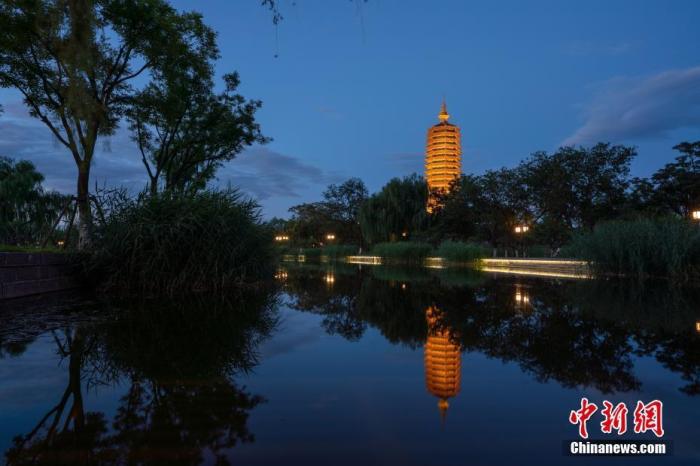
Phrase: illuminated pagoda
(443, 362)
(443, 155)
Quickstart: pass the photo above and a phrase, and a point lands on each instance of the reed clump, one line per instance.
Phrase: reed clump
(666, 247)
(173, 243)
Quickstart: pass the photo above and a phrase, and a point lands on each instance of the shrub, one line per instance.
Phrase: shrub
(538, 250)
(312, 253)
(403, 251)
(457, 251)
(170, 243)
(339, 251)
(663, 247)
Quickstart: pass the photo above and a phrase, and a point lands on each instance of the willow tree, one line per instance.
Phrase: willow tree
(398, 208)
(75, 62)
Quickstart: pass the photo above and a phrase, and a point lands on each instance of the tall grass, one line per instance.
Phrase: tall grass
(171, 244)
(457, 251)
(312, 253)
(665, 247)
(339, 251)
(410, 252)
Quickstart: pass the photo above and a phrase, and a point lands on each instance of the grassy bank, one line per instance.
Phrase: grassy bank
(457, 251)
(333, 252)
(405, 252)
(664, 247)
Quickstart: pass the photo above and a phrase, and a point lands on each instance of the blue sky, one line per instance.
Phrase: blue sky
(350, 87)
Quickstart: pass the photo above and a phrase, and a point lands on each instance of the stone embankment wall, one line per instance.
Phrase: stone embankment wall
(26, 274)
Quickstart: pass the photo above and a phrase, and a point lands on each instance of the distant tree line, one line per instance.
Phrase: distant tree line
(27, 210)
(556, 195)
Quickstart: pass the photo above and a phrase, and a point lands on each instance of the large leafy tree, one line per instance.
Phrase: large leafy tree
(576, 187)
(500, 206)
(75, 61)
(185, 132)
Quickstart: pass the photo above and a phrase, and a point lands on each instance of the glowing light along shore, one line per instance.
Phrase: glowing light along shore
(443, 156)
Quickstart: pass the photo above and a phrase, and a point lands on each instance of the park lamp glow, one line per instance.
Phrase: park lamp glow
(520, 229)
(697, 326)
(522, 297)
(329, 278)
(281, 238)
(330, 236)
(695, 214)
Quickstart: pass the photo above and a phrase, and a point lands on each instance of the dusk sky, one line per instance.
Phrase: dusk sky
(349, 88)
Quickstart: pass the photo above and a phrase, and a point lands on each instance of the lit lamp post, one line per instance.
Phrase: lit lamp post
(695, 215)
(330, 236)
(280, 238)
(520, 230)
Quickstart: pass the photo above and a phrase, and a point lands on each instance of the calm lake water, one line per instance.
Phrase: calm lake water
(341, 365)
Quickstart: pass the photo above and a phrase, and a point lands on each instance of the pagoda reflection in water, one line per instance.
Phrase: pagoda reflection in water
(442, 361)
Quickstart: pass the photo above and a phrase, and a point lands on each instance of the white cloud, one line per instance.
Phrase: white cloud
(627, 109)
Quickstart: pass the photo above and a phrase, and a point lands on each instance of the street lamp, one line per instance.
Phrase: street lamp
(695, 214)
(520, 230)
(330, 236)
(281, 238)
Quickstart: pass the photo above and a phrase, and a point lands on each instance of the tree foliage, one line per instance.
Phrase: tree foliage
(26, 210)
(338, 213)
(75, 62)
(397, 209)
(185, 131)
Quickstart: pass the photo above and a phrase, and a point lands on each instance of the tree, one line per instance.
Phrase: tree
(676, 186)
(26, 209)
(185, 132)
(74, 62)
(455, 214)
(342, 203)
(500, 206)
(337, 213)
(400, 207)
(576, 188)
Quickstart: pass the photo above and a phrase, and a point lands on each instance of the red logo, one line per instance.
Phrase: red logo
(647, 417)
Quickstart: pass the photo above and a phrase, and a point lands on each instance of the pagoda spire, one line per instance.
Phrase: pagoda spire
(443, 116)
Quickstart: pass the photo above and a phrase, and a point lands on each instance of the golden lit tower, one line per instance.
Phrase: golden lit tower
(443, 154)
(443, 362)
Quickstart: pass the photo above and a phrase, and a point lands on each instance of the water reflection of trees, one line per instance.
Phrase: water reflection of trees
(177, 362)
(583, 333)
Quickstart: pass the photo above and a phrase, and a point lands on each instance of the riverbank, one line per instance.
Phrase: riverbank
(561, 268)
